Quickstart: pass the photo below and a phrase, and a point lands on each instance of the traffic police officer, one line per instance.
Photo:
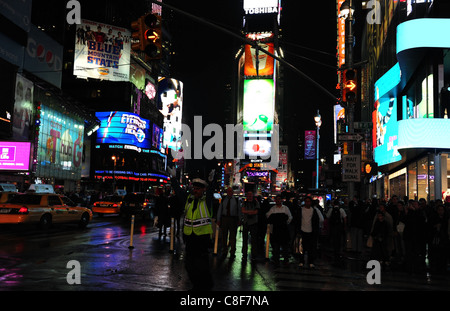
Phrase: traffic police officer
(197, 231)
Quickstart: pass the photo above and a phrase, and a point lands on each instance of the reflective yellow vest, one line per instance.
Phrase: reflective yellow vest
(198, 221)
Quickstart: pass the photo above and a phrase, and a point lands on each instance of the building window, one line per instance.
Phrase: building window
(412, 181)
(422, 179)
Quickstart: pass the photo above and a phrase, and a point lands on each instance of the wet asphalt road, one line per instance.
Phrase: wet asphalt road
(36, 260)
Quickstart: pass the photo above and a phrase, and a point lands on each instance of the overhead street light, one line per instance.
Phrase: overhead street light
(346, 8)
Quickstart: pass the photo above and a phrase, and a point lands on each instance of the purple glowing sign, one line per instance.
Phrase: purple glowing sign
(257, 173)
(14, 156)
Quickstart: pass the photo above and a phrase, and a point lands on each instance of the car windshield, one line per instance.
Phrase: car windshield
(26, 199)
(134, 197)
(113, 198)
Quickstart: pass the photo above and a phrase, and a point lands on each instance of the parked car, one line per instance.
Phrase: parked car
(111, 204)
(43, 209)
(138, 203)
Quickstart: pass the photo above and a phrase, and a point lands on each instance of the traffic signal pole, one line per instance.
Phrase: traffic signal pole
(350, 107)
(254, 44)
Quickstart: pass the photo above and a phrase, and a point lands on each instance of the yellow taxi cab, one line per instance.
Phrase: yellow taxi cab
(5, 196)
(110, 204)
(43, 209)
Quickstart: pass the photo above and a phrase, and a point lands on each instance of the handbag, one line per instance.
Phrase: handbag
(369, 241)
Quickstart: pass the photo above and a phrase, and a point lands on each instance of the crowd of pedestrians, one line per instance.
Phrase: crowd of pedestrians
(406, 234)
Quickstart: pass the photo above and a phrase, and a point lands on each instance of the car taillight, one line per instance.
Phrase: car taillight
(114, 205)
(23, 210)
(95, 204)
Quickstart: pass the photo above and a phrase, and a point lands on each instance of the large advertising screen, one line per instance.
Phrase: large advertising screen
(257, 147)
(384, 118)
(124, 128)
(170, 103)
(102, 52)
(60, 148)
(23, 108)
(259, 99)
(265, 62)
(14, 156)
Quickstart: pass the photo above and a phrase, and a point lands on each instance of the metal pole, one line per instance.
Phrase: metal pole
(267, 241)
(171, 234)
(216, 239)
(350, 103)
(317, 154)
(132, 231)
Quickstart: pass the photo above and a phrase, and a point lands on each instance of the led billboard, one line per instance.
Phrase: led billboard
(384, 118)
(265, 62)
(60, 147)
(260, 148)
(124, 128)
(14, 156)
(259, 99)
(170, 103)
(102, 52)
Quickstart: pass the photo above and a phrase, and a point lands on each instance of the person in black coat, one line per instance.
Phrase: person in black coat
(279, 216)
(162, 212)
(380, 235)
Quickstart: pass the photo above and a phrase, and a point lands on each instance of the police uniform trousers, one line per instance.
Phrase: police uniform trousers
(197, 261)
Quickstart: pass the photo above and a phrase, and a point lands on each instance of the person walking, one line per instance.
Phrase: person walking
(380, 235)
(356, 225)
(308, 225)
(279, 216)
(413, 235)
(250, 210)
(337, 219)
(197, 230)
(228, 219)
(438, 240)
(175, 211)
(162, 217)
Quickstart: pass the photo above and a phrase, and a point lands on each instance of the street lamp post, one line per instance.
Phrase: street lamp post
(114, 173)
(318, 121)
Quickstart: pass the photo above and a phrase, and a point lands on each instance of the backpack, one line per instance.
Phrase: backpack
(335, 218)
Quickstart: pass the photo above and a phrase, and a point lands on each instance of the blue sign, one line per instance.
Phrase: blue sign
(119, 127)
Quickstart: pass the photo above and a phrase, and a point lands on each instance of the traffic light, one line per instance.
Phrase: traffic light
(349, 85)
(138, 27)
(148, 32)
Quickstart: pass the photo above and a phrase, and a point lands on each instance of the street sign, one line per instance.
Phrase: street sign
(362, 125)
(350, 137)
(351, 167)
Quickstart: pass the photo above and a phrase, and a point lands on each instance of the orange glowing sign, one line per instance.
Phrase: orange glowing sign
(265, 62)
(341, 35)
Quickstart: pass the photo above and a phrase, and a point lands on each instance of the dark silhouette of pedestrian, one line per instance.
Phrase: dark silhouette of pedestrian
(250, 210)
(308, 226)
(162, 213)
(279, 216)
(228, 219)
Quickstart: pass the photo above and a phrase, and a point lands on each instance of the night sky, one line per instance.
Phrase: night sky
(204, 61)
